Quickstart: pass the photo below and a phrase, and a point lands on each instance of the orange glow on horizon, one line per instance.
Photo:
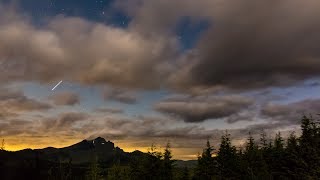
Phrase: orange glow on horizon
(17, 143)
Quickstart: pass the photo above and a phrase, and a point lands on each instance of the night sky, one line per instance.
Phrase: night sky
(138, 72)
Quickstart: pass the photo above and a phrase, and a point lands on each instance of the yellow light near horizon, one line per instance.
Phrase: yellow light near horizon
(11, 147)
(19, 143)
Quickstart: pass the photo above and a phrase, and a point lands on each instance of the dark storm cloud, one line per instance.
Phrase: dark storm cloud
(203, 108)
(65, 98)
(120, 95)
(291, 112)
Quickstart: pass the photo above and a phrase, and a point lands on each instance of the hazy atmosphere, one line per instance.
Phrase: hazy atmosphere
(142, 72)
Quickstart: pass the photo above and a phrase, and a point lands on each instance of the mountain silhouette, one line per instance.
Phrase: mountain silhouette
(31, 162)
(99, 144)
(37, 163)
(84, 152)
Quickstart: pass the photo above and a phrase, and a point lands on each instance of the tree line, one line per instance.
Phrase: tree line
(278, 158)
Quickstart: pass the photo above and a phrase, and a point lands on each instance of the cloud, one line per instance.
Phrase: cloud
(292, 112)
(145, 130)
(15, 102)
(144, 126)
(204, 108)
(246, 115)
(5, 114)
(256, 44)
(120, 95)
(127, 132)
(6, 94)
(80, 51)
(25, 104)
(314, 84)
(109, 110)
(63, 121)
(15, 127)
(250, 44)
(149, 19)
(271, 128)
(65, 98)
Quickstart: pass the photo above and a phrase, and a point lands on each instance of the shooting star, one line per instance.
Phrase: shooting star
(56, 85)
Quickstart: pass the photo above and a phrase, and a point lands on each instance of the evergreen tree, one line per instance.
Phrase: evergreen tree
(263, 140)
(294, 164)
(207, 166)
(278, 158)
(278, 142)
(309, 146)
(167, 163)
(292, 142)
(152, 164)
(255, 163)
(227, 158)
(266, 151)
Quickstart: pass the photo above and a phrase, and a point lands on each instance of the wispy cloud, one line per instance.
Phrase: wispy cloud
(65, 98)
(120, 95)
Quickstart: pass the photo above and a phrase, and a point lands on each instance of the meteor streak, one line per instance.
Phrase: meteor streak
(56, 85)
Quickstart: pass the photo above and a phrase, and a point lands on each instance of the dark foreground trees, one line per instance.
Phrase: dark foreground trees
(294, 158)
(154, 165)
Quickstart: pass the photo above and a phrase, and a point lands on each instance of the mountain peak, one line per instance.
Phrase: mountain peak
(100, 139)
(100, 142)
